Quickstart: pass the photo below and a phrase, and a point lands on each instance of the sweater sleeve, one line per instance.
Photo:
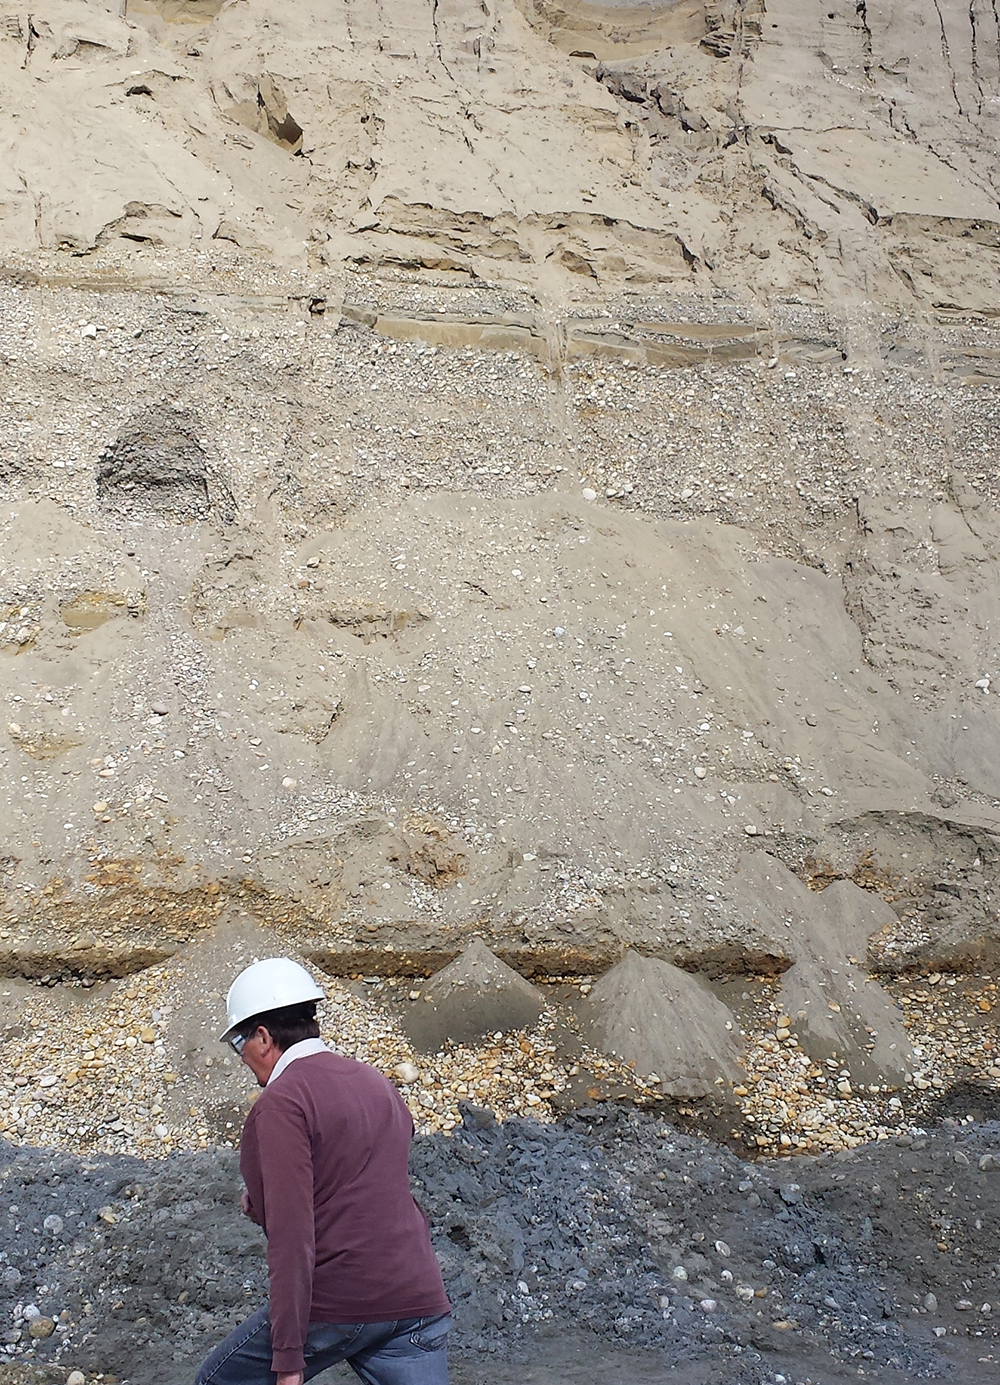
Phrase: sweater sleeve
(286, 1169)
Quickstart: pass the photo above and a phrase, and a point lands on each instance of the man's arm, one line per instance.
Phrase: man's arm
(286, 1169)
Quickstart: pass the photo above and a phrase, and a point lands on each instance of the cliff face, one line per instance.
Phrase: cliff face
(520, 473)
(492, 466)
(821, 151)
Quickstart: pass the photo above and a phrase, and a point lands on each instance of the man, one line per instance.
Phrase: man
(324, 1157)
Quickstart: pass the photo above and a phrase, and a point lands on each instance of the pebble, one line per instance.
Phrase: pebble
(988, 1163)
(787, 1099)
(930, 1303)
(589, 493)
(76, 1378)
(289, 783)
(160, 708)
(41, 1328)
(512, 1074)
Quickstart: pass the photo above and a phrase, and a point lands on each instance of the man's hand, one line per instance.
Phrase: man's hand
(245, 1204)
(294, 1379)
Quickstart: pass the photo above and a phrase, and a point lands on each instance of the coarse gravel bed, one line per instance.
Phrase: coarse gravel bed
(607, 1238)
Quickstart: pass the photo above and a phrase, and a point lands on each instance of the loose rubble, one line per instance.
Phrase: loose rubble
(99, 1069)
(609, 1223)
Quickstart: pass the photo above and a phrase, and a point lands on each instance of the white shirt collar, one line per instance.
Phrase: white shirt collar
(305, 1048)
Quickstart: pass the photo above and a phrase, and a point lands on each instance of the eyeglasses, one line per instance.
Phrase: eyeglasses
(236, 1042)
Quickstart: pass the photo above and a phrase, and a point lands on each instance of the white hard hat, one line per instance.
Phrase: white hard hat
(268, 985)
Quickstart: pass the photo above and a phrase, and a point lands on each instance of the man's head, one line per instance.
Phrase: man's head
(262, 1039)
(271, 1005)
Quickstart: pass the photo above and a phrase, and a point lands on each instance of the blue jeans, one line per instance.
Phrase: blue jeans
(413, 1351)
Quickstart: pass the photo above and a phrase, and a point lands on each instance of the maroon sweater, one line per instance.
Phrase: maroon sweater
(325, 1160)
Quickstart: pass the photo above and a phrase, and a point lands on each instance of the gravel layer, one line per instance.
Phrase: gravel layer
(98, 1072)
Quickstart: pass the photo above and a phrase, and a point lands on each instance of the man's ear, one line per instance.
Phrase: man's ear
(263, 1029)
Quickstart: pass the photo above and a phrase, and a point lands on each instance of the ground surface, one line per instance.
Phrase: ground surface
(609, 1236)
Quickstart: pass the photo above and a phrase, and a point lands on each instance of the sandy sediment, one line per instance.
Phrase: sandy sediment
(503, 507)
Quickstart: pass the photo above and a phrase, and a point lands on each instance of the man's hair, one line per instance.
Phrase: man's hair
(289, 1025)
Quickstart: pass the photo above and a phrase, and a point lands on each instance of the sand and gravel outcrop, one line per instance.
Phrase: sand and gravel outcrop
(500, 502)
(721, 144)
